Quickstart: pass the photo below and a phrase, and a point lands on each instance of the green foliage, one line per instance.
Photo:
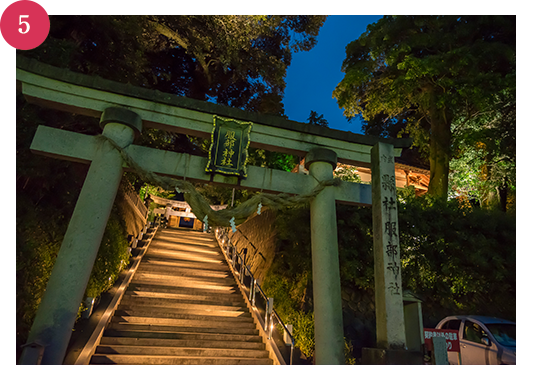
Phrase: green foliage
(347, 173)
(459, 259)
(289, 281)
(112, 258)
(424, 72)
(148, 189)
(235, 60)
(289, 296)
(272, 160)
(348, 349)
(484, 164)
(38, 241)
(316, 119)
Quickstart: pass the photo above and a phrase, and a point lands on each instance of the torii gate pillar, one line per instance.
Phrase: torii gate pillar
(327, 302)
(55, 318)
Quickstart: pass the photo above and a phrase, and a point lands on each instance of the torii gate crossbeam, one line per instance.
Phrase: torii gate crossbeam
(122, 110)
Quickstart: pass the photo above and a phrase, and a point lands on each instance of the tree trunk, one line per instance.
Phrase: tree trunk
(439, 151)
(503, 192)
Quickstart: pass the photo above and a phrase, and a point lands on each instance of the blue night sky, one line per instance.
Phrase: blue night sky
(312, 76)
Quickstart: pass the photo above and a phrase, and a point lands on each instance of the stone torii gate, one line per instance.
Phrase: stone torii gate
(125, 110)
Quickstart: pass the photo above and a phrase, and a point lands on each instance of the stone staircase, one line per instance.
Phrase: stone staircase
(182, 307)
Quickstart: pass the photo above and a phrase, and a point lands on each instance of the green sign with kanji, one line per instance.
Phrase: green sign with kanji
(229, 147)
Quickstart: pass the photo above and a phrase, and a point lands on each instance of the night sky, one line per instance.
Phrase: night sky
(312, 76)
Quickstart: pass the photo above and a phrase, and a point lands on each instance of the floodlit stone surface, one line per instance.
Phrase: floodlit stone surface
(327, 303)
(182, 307)
(388, 272)
(56, 314)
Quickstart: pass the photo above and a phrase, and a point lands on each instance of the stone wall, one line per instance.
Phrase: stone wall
(132, 219)
(258, 236)
(358, 317)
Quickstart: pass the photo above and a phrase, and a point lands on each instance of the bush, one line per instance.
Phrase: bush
(459, 259)
(38, 243)
(113, 256)
(289, 298)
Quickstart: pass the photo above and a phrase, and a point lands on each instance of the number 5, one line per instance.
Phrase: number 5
(27, 26)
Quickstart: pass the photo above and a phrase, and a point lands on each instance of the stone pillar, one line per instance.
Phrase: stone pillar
(55, 318)
(388, 283)
(168, 211)
(327, 303)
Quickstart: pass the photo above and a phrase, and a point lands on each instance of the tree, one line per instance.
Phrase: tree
(319, 120)
(427, 72)
(238, 61)
(484, 164)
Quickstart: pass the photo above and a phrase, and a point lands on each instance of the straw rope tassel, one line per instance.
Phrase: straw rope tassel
(227, 217)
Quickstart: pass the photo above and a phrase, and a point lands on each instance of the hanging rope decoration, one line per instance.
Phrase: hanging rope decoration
(227, 217)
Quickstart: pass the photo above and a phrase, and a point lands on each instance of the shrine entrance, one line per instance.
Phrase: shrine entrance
(124, 111)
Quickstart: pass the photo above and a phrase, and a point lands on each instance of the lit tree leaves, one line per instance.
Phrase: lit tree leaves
(427, 71)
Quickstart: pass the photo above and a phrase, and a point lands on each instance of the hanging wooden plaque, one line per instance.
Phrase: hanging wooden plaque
(229, 147)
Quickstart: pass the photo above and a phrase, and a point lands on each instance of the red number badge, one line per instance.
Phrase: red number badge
(24, 25)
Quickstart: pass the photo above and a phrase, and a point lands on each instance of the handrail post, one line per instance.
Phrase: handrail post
(271, 321)
(268, 312)
(251, 289)
(234, 257)
(254, 291)
(287, 338)
(243, 267)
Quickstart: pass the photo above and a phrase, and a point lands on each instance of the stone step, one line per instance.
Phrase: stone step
(176, 360)
(250, 336)
(236, 297)
(182, 307)
(188, 246)
(186, 271)
(193, 323)
(175, 232)
(184, 314)
(239, 306)
(194, 284)
(185, 249)
(138, 288)
(195, 343)
(180, 351)
(179, 277)
(174, 330)
(156, 311)
(174, 255)
(153, 260)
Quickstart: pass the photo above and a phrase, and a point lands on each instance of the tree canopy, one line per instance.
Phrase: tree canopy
(316, 119)
(430, 73)
(239, 61)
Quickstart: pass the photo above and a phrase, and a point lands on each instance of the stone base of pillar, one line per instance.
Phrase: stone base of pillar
(391, 357)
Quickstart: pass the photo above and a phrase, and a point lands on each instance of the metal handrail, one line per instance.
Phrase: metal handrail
(134, 198)
(270, 312)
